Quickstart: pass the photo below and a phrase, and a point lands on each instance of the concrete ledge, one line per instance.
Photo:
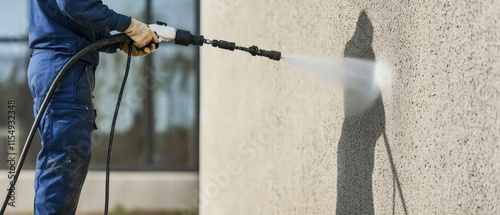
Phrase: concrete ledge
(131, 190)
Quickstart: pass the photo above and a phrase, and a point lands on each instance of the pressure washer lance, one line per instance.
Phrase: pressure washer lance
(186, 38)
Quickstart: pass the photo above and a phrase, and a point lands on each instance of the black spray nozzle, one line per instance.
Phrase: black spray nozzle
(255, 51)
(185, 38)
(273, 55)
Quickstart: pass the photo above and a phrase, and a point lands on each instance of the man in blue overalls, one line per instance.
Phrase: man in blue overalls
(58, 29)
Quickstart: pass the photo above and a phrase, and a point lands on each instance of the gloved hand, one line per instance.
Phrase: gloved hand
(142, 36)
(136, 53)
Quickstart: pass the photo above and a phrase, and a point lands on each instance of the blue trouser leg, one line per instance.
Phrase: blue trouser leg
(66, 131)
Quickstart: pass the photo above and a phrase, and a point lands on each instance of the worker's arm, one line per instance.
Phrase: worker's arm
(94, 15)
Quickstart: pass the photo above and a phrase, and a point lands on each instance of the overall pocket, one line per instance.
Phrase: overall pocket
(71, 125)
(84, 81)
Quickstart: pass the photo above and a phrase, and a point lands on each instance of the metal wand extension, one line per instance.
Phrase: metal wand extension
(253, 50)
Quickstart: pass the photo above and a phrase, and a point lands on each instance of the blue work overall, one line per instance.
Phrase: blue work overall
(57, 31)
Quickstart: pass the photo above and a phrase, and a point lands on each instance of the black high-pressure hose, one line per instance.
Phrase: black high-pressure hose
(111, 134)
(117, 38)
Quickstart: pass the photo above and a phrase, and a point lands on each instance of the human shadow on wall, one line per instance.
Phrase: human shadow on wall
(362, 127)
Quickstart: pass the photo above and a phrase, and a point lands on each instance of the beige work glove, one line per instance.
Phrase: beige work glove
(135, 52)
(143, 37)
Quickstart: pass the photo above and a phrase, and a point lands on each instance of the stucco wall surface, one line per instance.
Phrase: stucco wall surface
(274, 141)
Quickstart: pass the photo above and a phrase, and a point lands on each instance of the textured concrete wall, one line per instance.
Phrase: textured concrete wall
(274, 141)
